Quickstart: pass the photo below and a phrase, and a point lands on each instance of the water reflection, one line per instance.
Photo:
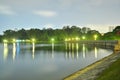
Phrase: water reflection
(68, 58)
(18, 48)
(52, 50)
(14, 50)
(77, 47)
(96, 51)
(84, 50)
(71, 50)
(33, 50)
(5, 51)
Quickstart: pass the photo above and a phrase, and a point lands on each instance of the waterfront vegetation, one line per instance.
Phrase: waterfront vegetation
(66, 33)
(112, 72)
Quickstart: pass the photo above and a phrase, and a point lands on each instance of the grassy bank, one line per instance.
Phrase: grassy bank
(111, 73)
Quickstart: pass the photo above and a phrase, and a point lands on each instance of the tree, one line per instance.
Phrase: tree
(109, 36)
(22, 34)
(92, 33)
(47, 34)
(116, 29)
(10, 34)
(85, 30)
(1, 37)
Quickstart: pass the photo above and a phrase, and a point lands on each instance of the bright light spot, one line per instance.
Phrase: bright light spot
(5, 50)
(77, 38)
(52, 39)
(83, 48)
(95, 37)
(23, 40)
(66, 39)
(14, 40)
(18, 41)
(83, 37)
(33, 50)
(33, 40)
(5, 41)
(72, 38)
(95, 52)
(69, 39)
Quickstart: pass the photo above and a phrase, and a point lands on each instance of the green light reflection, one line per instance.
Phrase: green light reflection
(96, 51)
(84, 51)
(33, 50)
(14, 50)
(5, 55)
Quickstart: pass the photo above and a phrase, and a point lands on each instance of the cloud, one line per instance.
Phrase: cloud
(45, 13)
(97, 2)
(6, 10)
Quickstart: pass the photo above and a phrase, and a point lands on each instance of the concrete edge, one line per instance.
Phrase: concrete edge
(91, 66)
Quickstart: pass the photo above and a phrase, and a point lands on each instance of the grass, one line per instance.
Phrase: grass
(111, 73)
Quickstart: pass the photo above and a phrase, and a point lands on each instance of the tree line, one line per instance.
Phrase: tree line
(59, 34)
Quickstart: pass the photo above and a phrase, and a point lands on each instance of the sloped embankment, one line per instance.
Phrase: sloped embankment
(92, 71)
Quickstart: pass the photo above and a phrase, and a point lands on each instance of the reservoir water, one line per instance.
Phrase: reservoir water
(30, 61)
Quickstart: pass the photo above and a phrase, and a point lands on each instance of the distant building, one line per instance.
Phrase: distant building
(111, 28)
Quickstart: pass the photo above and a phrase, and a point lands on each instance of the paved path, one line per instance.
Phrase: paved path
(92, 71)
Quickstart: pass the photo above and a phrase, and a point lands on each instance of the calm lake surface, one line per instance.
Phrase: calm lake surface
(20, 61)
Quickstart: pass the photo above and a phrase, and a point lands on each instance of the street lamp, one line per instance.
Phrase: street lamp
(33, 40)
(66, 39)
(83, 37)
(77, 38)
(14, 40)
(52, 39)
(95, 37)
(5, 41)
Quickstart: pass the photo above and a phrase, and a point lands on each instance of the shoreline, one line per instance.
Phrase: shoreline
(92, 71)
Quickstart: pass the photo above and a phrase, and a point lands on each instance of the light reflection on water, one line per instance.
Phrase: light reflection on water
(14, 50)
(72, 50)
(96, 52)
(5, 51)
(33, 50)
(56, 61)
(84, 50)
(52, 50)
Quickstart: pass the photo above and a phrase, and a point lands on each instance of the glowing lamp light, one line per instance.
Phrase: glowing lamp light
(95, 37)
(66, 39)
(18, 41)
(77, 38)
(5, 41)
(72, 38)
(33, 40)
(69, 39)
(14, 40)
(83, 37)
(52, 39)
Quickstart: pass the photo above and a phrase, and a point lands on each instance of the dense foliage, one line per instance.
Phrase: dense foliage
(59, 34)
(114, 35)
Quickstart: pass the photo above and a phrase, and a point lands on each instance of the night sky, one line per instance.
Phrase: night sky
(96, 14)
